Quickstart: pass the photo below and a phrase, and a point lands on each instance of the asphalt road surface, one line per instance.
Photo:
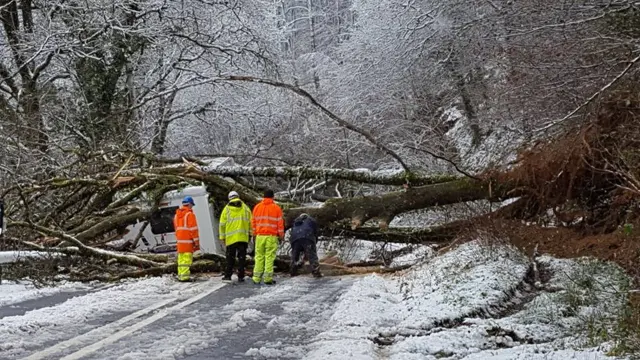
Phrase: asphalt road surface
(211, 320)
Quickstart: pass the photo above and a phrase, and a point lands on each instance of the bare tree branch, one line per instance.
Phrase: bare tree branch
(592, 97)
(366, 134)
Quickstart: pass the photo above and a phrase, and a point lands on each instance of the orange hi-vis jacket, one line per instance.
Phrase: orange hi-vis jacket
(267, 219)
(187, 236)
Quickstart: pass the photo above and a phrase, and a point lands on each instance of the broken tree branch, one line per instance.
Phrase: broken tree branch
(84, 249)
(434, 235)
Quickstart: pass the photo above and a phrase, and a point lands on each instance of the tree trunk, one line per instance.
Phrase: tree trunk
(358, 175)
(385, 207)
(430, 236)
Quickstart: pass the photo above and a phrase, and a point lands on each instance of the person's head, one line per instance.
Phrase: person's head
(233, 195)
(300, 219)
(268, 194)
(188, 202)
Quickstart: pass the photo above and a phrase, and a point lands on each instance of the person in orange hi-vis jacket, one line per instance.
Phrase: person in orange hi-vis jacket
(267, 224)
(187, 237)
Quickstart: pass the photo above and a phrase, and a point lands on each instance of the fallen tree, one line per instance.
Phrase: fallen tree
(589, 173)
(385, 207)
(384, 177)
(427, 236)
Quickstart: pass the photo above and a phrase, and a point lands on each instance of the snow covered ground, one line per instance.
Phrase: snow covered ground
(473, 302)
(48, 325)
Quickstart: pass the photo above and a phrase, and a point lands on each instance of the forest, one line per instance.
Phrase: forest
(373, 108)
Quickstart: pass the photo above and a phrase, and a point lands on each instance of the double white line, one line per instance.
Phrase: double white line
(114, 326)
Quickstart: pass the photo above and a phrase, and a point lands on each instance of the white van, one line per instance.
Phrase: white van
(159, 235)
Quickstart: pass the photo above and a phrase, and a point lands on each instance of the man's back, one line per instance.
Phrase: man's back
(267, 219)
(235, 222)
(304, 228)
(268, 227)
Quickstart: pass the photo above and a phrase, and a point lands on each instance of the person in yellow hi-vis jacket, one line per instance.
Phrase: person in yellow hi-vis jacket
(187, 237)
(268, 226)
(235, 232)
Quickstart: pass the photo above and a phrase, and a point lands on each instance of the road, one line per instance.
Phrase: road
(203, 320)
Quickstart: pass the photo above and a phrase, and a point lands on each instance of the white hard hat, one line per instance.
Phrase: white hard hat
(233, 194)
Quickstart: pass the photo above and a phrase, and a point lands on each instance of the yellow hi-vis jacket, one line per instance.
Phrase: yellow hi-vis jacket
(235, 222)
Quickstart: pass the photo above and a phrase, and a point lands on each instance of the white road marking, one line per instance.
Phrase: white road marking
(82, 339)
(114, 326)
(137, 326)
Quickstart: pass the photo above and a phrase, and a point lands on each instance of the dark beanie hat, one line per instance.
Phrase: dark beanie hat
(268, 194)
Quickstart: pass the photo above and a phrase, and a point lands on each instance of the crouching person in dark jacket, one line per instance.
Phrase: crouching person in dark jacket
(304, 235)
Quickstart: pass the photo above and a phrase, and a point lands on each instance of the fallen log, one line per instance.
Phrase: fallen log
(430, 236)
(385, 207)
(356, 175)
(125, 259)
(365, 263)
(112, 223)
(201, 266)
(337, 270)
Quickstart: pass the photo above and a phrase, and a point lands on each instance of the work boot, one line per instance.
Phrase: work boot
(272, 282)
(226, 279)
(241, 279)
(317, 275)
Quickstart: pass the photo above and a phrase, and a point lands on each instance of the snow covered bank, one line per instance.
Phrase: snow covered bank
(474, 303)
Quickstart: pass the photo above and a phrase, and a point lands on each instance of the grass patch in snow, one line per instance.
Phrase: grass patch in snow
(597, 293)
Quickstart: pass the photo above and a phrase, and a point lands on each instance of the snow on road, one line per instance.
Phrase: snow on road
(240, 321)
(16, 292)
(474, 302)
(46, 326)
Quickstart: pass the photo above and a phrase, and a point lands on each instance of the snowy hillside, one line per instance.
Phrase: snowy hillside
(477, 152)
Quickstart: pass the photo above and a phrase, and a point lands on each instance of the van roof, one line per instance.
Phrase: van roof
(219, 161)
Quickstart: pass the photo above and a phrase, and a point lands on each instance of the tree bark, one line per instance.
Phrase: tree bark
(357, 175)
(385, 207)
(430, 236)
(112, 223)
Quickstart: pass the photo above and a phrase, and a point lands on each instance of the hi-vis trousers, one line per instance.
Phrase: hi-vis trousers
(184, 266)
(264, 256)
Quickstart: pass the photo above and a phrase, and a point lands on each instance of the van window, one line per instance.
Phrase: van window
(162, 220)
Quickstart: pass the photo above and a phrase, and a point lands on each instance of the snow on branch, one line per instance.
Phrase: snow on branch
(345, 124)
(98, 253)
(383, 177)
